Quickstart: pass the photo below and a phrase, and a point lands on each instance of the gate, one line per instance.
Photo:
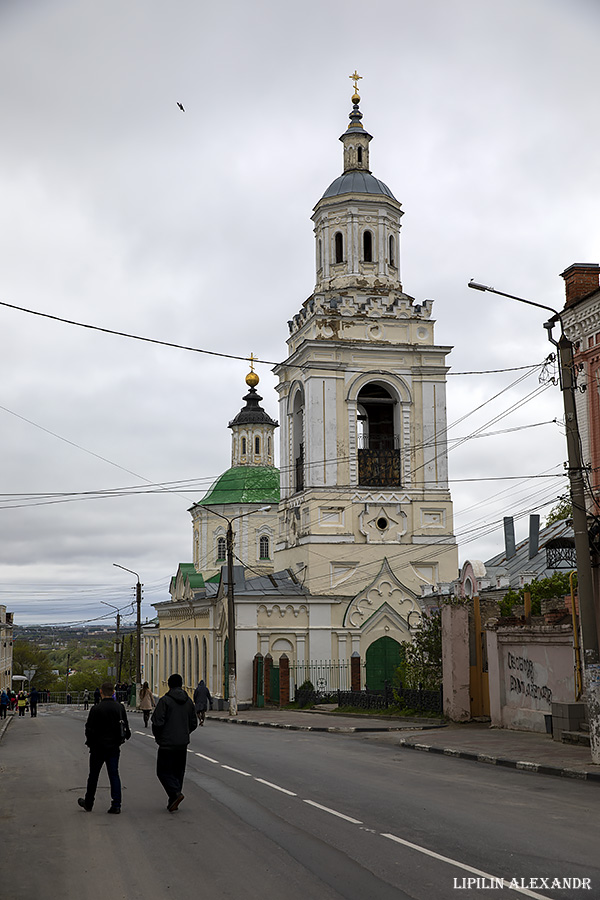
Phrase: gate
(383, 658)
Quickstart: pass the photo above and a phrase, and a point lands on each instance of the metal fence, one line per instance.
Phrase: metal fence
(326, 676)
(420, 700)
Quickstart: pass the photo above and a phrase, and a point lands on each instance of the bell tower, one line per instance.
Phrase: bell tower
(364, 470)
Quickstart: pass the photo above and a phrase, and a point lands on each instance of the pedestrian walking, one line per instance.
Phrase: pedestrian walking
(105, 730)
(22, 703)
(201, 700)
(97, 695)
(33, 702)
(4, 703)
(173, 720)
(86, 699)
(147, 703)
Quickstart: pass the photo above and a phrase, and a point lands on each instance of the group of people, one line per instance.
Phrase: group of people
(173, 718)
(20, 701)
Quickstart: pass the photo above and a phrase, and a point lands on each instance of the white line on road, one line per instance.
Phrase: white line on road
(454, 862)
(334, 812)
(276, 786)
(209, 758)
(239, 771)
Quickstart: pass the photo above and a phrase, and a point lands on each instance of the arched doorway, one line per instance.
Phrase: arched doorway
(383, 658)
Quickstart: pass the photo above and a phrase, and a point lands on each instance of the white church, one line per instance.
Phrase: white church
(332, 551)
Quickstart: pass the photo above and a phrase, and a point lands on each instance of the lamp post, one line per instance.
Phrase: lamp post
(231, 657)
(117, 643)
(589, 631)
(138, 600)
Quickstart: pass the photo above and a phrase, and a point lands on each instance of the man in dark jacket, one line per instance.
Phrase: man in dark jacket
(105, 730)
(173, 720)
(201, 700)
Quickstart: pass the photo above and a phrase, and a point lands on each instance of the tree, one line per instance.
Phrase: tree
(561, 510)
(422, 663)
(557, 585)
(27, 656)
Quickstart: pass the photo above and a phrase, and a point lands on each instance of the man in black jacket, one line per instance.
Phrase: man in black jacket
(105, 730)
(173, 719)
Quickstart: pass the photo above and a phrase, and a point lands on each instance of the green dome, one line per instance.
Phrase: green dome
(244, 484)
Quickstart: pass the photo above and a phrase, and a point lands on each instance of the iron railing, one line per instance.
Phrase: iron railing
(326, 676)
(423, 701)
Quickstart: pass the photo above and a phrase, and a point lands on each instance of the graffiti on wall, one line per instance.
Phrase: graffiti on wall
(522, 679)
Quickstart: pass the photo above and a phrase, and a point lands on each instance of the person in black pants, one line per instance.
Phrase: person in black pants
(173, 720)
(105, 730)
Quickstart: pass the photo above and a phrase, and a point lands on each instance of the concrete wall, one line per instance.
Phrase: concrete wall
(455, 662)
(529, 667)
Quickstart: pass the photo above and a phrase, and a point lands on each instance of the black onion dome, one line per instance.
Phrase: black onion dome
(253, 413)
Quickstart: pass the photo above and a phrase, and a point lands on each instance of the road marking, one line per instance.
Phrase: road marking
(209, 758)
(276, 786)
(333, 812)
(239, 771)
(145, 733)
(454, 862)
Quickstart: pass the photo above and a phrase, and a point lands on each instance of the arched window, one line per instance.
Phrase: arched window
(197, 660)
(257, 444)
(378, 443)
(268, 446)
(264, 548)
(164, 659)
(204, 660)
(368, 246)
(183, 659)
(221, 549)
(298, 439)
(359, 155)
(243, 446)
(189, 662)
(339, 247)
(392, 250)
(320, 254)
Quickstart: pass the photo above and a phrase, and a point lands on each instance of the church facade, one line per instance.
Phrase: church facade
(359, 518)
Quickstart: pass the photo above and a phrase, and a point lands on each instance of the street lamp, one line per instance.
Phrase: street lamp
(589, 631)
(117, 644)
(231, 660)
(138, 600)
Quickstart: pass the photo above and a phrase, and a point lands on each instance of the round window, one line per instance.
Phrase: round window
(382, 523)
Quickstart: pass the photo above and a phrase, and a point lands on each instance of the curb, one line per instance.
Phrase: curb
(5, 723)
(334, 729)
(538, 768)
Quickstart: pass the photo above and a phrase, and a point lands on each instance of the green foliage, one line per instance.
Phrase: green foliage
(27, 656)
(561, 510)
(557, 585)
(422, 664)
(306, 686)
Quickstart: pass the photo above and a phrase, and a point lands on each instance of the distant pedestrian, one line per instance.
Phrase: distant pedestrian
(4, 703)
(22, 703)
(201, 700)
(97, 695)
(13, 700)
(147, 703)
(105, 730)
(33, 702)
(86, 699)
(173, 720)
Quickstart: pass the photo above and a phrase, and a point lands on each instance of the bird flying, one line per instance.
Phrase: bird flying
(180, 105)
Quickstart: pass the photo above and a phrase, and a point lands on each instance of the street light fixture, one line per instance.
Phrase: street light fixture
(117, 643)
(231, 658)
(138, 600)
(589, 631)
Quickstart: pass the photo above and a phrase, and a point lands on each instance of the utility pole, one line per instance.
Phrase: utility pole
(231, 662)
(138, 599)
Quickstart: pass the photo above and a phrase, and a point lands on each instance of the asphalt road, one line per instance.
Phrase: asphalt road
(286, 814)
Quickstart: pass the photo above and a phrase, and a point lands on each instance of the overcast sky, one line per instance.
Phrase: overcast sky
(121, 211)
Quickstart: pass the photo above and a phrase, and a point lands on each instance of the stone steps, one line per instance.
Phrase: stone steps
(577, 737)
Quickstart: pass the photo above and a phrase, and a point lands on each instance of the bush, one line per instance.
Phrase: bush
(557, 585)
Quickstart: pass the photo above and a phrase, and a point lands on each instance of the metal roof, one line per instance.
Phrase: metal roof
(357, 182)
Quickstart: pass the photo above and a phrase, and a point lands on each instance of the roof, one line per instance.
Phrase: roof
(244, 484)
(278, 583)
(252, 413)
(357, 182)
(521, 562)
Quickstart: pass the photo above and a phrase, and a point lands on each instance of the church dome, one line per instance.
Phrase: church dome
(357, 182)
(244, 484)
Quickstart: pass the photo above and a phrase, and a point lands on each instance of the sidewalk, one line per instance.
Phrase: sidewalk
(525, 750)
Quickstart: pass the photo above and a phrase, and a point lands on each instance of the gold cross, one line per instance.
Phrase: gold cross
(252, 358)
(355, 78)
